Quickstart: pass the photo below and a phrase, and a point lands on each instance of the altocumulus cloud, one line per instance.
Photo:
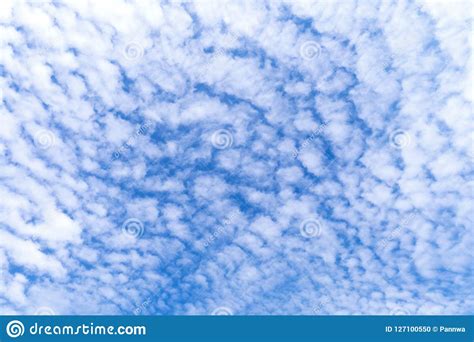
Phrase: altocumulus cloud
(280, 157)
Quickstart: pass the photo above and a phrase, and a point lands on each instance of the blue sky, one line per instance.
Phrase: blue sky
(293, 157)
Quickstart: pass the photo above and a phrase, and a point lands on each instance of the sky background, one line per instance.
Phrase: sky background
(205, 157)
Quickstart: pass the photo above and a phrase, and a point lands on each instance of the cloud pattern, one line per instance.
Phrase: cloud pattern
(294, 157)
